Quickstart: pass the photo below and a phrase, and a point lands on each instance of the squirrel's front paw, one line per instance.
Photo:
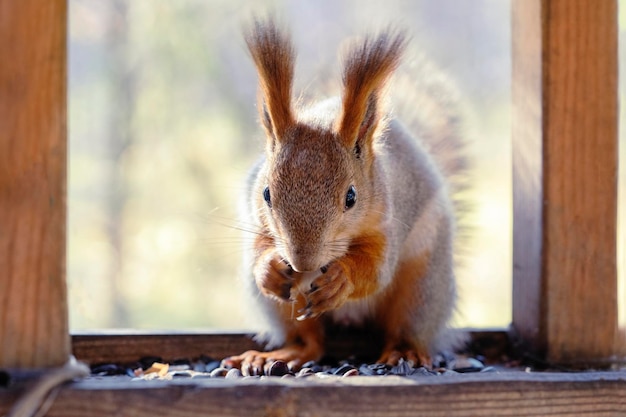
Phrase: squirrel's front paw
(328, 292)
(274, 277)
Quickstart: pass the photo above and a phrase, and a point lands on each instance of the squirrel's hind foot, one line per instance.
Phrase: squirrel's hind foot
(255, 363)
(417, 357)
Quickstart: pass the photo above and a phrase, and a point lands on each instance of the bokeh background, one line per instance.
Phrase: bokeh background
(163, 128)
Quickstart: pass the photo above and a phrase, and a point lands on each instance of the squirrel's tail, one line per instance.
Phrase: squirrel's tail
(426, 101)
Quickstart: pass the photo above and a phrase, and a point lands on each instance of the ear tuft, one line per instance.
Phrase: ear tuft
(274, 57)
(367, 67)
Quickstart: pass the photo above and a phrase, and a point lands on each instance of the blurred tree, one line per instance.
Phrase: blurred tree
(163, 128)
(119, 136)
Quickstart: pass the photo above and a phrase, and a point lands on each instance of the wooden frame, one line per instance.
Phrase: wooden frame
(565, 205)
(565, 123)
(596, 393)
(33, 147)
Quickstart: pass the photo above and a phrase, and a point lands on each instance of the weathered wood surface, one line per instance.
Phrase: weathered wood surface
(33, 306)
(565, 178)
(128, 347)
(505, 394)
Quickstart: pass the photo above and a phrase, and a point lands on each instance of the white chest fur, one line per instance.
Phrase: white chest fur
(353, 313)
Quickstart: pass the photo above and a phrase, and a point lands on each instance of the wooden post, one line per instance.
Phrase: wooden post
(565, 120)
(33, 306)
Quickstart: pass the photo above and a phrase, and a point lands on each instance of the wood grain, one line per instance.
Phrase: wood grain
(33, 309)
(565, 178)
(495, 394)
(128, 347)
(581, 148)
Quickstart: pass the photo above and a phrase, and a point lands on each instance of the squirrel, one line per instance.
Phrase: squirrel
(354, 214)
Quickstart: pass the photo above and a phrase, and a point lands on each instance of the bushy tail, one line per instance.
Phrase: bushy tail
(426, 102)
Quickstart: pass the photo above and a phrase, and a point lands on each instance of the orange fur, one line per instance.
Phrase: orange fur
(366, 69)
(363, 262)
(304, 342)
(273, 56)
(397, 307)
(351, 277)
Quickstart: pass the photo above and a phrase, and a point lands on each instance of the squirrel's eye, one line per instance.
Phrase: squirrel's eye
(350, 197)
(266, 196)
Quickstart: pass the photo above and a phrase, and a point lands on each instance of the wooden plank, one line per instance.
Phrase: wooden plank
(492, 394)
(33, 309)
(565, 178)
(117, 347)
(128, 347)
(120, 347)
(581, 149)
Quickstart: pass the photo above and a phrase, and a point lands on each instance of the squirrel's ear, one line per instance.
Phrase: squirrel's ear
(274, 57)
(366, 68)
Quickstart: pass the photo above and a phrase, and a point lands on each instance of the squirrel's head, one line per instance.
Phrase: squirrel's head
(318, 186)
(315, 192)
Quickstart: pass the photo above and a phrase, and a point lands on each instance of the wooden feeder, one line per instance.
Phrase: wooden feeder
(565, 305)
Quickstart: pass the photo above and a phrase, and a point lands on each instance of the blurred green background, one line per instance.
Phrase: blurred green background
(163, 128)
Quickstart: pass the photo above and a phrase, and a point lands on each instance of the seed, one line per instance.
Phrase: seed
(278, 368)
(147, 361)
(5, 379)
(343, 369)
(219, 372)
(465, 365)
(305, 372)
(351, 372)
(209, 367)
(233, 373)
(108, 369)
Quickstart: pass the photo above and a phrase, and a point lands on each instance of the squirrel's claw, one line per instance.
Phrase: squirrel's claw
(327, 292)
(415, 356)
(305, 312)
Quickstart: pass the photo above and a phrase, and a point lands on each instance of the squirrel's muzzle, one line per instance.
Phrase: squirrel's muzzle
(304, 259)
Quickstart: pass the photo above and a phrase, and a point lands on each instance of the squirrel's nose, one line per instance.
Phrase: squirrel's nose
(303, 260)
(302, 266)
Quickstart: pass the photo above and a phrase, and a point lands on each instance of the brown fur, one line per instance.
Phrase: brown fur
(274, 57)
(394, 304)
(366, 69)
(383, 260)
